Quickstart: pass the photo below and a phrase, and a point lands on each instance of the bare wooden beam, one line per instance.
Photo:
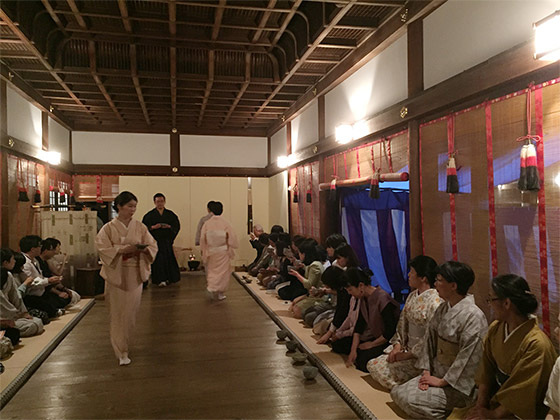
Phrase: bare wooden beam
(209, 83)
(322, 35)
(53, 15)
(242, 89)
(31, 47)
(285, 23)
(97, 79)
(218, 19)
(264, 19)
(124, 16)
(76, 12)
(136, 81)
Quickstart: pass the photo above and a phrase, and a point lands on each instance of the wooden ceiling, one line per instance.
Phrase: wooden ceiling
(207, 66)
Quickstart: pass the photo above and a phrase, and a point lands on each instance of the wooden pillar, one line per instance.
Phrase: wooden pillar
(45, 130)
(415, 57)
(414, 196)
(4, 210)
(289, 138)
(175, 150)
(268, 151)
(321, 115)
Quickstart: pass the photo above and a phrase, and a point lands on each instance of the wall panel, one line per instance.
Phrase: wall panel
(24, 119)
(278, 145)
(238, 152)
(59, 139)
(305, 128)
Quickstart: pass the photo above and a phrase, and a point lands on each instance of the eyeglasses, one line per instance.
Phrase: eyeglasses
(492, 299)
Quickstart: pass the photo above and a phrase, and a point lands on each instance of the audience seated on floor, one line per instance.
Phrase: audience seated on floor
(377, 320)
(517, 357)
(293, 286)
(311, 278)
(50, 248)
(277, 273)
(397, 365)
(255, 243)
(11, 304)
(265, 257)
(452, 351)
(35, 295)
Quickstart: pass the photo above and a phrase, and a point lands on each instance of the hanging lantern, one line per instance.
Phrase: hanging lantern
(374, 186)
(452, 181)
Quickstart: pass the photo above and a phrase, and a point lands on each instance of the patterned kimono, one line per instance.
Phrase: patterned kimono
(452, 350)
(124, 276)
(217, 242)
(517, 368)
(416, 314)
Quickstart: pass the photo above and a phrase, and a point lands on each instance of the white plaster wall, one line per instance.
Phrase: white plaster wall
(224, 151)
(120, 148)
(24, 119)
(278, 196)
(188, 196)
(461, 34)
(305, 127)
(278, 145)
(379, 84)
(59, 139)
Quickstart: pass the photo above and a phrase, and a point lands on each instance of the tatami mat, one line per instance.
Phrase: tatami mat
(32, 351)
(371, 395)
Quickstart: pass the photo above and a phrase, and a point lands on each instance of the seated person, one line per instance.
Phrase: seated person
(310, 280)
(397, 365)
(294, 288)
(11, 304)
(264, 260)
(332, 242)
(452, 350)
(35, 296)
(345, 257)
(255, 243)
(552, 399)
(276, 229)
(50, 248)
(517, 356)
(377, 321)
(277, 272)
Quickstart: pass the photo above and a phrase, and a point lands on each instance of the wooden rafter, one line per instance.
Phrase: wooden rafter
(326, 29)
(31, 47)
(264, 19)
(124, 16)
(242, 89)
(209, 83)
(76, 12)
(53, 15)
(98, 82)
(285, 23)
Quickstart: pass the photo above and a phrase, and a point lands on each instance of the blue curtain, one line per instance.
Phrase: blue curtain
(378, 230)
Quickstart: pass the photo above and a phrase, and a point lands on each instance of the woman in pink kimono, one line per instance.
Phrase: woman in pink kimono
(126, 250)
(217, 242)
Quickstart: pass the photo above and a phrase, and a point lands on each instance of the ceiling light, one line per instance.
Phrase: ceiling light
(51, 157)
(547, 37)
(344, 133)
(282, 161)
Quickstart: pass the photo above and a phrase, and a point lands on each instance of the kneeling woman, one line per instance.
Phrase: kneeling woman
(518, 357)
(126, 250)
(377, 321)
(398, 366)
(452, 350)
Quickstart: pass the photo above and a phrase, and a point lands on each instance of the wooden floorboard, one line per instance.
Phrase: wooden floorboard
(192, 359)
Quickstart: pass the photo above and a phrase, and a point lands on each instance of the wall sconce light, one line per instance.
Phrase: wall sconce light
(547, 37)
(359, 130)
(51, 157)
(282, 161)
(343, 133)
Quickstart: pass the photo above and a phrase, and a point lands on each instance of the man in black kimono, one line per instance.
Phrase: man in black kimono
(164, 226)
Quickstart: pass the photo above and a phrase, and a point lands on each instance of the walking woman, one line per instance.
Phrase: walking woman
(126, 250)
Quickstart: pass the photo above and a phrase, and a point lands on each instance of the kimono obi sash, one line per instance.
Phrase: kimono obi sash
(415, 334)
(217, 241)
(446, 351)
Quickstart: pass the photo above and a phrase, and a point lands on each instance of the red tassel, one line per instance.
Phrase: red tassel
(533, 182)
(22, 194)
(374, 186)
(37, 196)
(452, 181)
(332, 191)
(62, 198)
(295, 194)
(522, 182)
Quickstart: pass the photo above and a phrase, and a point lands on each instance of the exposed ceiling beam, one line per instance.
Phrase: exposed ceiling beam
(76, 12)
(218, 20)
(285, 23)
(242, 90)
(209, 83)
(264, 19)
(53, 15)
(31, 47)
(97, 79)
(124, 16)
(173, 61)
(358, 22)
(327, 27)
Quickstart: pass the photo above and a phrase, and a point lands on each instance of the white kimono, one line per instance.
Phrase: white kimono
(415, 316)
(124, 276)
(452, 351)
(217, 242)
(13, 308)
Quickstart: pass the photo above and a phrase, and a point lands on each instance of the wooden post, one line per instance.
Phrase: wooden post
(414, 196)
(175, 150)
(45, 130)
(4, 210)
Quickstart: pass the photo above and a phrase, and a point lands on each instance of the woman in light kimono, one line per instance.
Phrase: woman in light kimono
(518, 357)
(397, 365)
(452, 350)
(126, 250)
(217, 242)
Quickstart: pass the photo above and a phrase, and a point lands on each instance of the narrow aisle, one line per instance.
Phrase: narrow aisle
(192, 359)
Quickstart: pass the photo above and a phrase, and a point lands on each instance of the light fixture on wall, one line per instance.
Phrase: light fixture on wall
(51, 157)
(359, 130)
(343, 133)
(285, 161)
(547, 37)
